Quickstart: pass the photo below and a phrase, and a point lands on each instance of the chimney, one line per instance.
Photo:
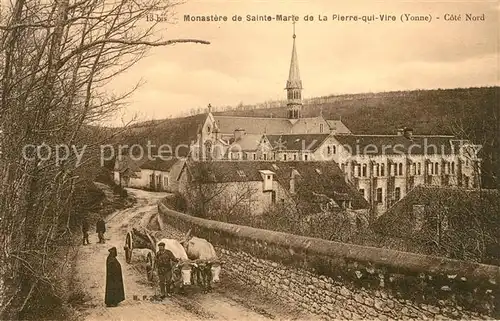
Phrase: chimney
(408, 133)
(238, 133)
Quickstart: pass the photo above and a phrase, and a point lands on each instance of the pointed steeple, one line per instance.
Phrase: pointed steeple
(294, 84)
(294, 81)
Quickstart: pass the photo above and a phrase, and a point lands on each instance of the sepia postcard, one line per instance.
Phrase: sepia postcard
(249, 160)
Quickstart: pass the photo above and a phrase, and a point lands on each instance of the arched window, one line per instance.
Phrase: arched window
(436, 168)
(208, 146)
(382, 169)
(397, 193)
(453, 167)
(400, 169)
(334, 149)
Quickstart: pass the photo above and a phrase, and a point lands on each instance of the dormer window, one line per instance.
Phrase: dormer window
(267, 177)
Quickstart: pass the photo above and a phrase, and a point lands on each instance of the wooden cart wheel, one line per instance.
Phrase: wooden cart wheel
(128, 248)
(150, 267)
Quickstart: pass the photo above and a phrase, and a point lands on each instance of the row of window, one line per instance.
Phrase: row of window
(448, 168)
(397, 169)
(330, 149)
(246, 156)
(379, 194)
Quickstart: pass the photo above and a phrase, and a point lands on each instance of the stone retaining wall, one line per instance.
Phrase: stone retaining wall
(347, 281)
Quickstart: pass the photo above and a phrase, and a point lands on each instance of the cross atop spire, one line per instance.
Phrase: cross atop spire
(293, 23)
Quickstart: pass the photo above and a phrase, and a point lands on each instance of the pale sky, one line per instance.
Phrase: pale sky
(248, 61)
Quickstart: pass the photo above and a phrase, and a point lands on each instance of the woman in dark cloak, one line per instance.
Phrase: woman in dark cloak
(114, 280)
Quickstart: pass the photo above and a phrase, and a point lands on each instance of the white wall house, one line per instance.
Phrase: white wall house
(152, 174)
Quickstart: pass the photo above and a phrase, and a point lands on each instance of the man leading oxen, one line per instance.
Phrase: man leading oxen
(172, 264)
(208, 265)
(164, 261)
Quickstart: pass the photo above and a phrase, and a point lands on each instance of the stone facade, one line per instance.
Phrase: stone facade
(328, 297)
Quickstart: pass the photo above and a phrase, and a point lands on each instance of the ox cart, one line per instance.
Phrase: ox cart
(141, 238)
(197, 257)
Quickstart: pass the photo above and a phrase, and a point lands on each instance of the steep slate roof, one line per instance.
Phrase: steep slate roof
(398, 144)
(253, 125)
(297, 141)
(338, 126)
(126, 163)
(247, 142)
(261, 125)
(319, 177)
(159, 164)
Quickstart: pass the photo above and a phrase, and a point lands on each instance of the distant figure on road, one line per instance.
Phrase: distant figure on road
(85, 231)
(100, 229)
(114, 280)
(164, 263)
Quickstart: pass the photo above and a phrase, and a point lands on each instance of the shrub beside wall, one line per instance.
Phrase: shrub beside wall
(354, 278)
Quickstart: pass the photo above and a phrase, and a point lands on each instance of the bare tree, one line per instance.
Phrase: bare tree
(56, 58)
(462, 224)
(481, 130)
(480, 148)
(211, 195)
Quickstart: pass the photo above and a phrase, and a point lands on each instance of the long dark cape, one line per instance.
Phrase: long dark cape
(114, 282)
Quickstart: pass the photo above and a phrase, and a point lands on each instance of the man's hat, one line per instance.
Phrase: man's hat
(161, 244)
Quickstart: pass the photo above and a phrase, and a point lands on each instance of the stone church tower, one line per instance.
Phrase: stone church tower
(294, 85)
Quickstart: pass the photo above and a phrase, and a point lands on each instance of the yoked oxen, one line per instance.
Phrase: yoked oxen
(181, 271)
(203, 253)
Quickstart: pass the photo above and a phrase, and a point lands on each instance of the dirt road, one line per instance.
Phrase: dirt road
(228, 301)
